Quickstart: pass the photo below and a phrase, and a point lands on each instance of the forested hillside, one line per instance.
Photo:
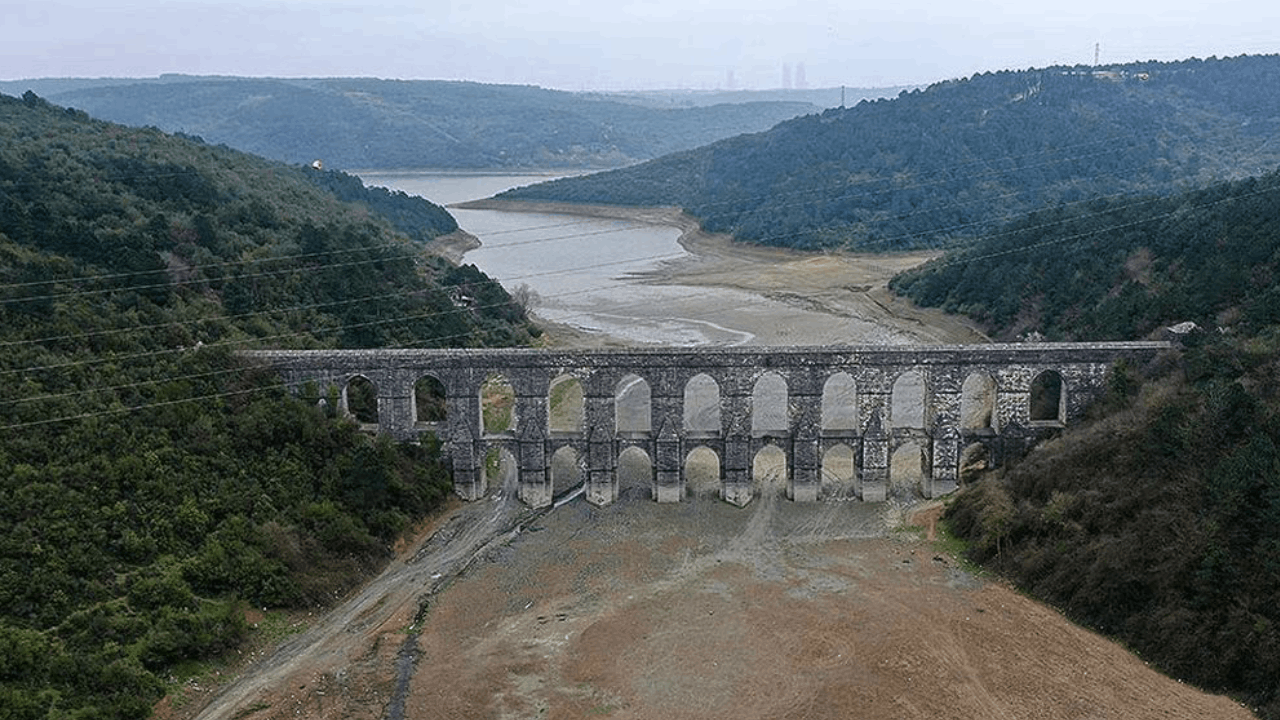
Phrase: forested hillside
(1117, 269)
(152, 487)
(1157, 522)
(952, 162)
(386, 124)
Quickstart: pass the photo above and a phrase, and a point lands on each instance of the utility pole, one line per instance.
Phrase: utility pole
(1097, 51)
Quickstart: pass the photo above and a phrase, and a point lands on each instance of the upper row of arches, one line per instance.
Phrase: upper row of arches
(771, 413)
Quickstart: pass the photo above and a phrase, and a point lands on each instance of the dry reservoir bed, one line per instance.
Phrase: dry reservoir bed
(703, 610)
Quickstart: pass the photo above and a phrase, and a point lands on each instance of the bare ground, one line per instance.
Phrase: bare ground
(704, 610)
(454, 245)
(701, 609)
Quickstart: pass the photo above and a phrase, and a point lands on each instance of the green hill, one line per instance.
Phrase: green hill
(1120, 268)
(386, 124)
(151, 486)
(1158, 522)
(950, 163)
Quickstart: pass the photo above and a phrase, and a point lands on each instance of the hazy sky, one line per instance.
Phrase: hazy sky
(616, 44)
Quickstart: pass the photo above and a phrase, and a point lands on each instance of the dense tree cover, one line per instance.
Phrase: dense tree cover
(367, 123)
(1118, 269)
(151, 485)
(418, 219)
(950, 163)
(1158, 524)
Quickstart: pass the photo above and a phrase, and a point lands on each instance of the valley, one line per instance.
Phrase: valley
(703, 610)
(199, 512)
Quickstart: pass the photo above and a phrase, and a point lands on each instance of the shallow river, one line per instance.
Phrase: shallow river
(582, 272)
(577, 266)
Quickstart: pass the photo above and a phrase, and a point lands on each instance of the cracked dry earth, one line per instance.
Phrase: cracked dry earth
(704, 610)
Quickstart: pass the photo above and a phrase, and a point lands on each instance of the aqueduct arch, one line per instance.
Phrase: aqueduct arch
(841, 419)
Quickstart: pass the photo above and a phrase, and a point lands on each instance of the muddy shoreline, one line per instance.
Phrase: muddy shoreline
(814, 298)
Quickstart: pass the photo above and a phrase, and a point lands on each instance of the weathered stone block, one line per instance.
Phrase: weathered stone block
(739, 494)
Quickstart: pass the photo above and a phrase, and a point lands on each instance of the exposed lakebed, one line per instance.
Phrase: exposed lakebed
(626, 276)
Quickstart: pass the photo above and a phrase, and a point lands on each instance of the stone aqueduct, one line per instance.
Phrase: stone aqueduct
(831, 422)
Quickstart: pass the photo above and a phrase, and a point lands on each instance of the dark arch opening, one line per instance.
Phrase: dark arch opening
(840, 404)
(635, 474)
(501, 473)
(702, 406)
(978, 402)
(907, 470)
(429, 404)
(566, 406)
(1047, 398)
(362, 400)
(702, 472)
(839, 472)
(769, 471)
(567, 471)
(975, 459)
(907, 403)
(769, 413)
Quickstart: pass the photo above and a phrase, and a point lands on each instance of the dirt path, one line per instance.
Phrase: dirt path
(336, 648)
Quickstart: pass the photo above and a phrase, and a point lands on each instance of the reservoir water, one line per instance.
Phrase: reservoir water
(581, 269)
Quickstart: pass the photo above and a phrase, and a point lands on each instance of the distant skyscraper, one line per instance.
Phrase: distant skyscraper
(786, 76)
(730, 82)
(801, 82)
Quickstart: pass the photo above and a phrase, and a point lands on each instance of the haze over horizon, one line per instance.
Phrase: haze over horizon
(633, 45)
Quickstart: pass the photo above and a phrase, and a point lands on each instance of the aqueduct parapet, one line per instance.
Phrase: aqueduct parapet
(851, 422)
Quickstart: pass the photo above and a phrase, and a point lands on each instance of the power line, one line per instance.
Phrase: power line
(1100, 231)
(588, 290)
(566, 270)
(240, 369)
(554, 272)
(164, 403)
(412, 255)
(206, 266)
(155, 353)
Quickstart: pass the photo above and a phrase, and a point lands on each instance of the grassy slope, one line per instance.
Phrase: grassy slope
(1159, 522)
(1119, 269)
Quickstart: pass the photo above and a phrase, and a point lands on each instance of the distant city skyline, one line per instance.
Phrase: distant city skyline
(633, 44)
